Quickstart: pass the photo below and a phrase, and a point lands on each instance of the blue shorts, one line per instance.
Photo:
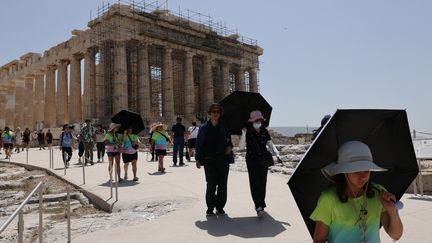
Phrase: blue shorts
(113, 154)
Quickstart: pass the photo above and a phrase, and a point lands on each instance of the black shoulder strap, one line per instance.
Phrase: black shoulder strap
(163, 135)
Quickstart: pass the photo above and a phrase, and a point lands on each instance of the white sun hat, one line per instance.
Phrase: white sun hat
(353, 156)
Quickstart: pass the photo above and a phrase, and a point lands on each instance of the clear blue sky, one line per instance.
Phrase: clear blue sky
(319, 55)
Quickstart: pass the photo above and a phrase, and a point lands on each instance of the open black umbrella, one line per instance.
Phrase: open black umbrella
(387, 134)
(237, 107)
(128, 118)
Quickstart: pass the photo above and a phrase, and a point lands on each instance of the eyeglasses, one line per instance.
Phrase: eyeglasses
(215, 111)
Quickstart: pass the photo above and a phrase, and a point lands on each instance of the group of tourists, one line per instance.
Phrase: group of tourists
(16, 141)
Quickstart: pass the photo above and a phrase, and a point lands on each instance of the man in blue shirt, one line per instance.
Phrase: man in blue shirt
(66, 140)
(178, 130)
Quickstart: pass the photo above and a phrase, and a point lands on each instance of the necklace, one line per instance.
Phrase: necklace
(362, 212)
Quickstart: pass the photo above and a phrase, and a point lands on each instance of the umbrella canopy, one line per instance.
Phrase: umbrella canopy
(237, 107)
(129, 118)
(387, 134)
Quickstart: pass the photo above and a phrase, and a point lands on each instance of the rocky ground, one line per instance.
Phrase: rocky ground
(15, 184)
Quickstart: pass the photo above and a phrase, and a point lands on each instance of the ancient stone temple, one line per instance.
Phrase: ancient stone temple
(150, 61)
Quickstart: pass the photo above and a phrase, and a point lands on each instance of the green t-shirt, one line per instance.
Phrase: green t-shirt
(112, 142)
(342, 218)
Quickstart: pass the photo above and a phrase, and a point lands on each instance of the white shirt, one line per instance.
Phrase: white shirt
(193, 132)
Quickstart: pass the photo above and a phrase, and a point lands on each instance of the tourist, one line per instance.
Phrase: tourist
(354, 208)
(88, 138)
(193, 133)
(8, 140)
(131, 144)
(258, 158)
(161, 140)
(151, 146)
(324, 121)
(49, 139)
(178, 132)
(18, 139)
(214, 151)
(100, 143)
(112, 141)
(66, 141)
(26, 138)
(41, 139)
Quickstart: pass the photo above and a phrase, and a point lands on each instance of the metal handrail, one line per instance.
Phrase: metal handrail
(18, 210)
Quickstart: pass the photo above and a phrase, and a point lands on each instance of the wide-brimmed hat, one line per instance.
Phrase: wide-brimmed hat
(255, 116)
(353, 156)
(156, 125)
(112, 126)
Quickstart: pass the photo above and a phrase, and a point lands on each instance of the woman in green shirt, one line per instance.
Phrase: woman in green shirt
(353, 209)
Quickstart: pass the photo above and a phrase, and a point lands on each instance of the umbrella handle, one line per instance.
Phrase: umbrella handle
(398, 204)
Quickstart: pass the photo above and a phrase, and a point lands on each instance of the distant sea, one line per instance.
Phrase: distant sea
(291, 131)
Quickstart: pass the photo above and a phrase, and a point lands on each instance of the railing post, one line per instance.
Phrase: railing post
(68, 216)
(115, 176)
(27, 155)
(65, 154)
(20, 227)
(84, 165)
(41, 213)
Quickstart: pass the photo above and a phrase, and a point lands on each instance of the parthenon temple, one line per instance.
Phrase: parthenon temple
(151, 61)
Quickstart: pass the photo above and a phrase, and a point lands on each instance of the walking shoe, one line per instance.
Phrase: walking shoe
(181, 164)
(209, 212)
(125, 177)
(79, 160)
(91, 162)
(220, 211)
(98, 161)
(260, 212)
(135, 178)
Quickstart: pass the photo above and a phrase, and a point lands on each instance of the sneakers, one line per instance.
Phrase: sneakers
(135, 178)
(98, 161)
(260, 212)
(79, 160)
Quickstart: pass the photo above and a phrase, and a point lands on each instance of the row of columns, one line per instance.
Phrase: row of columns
(35, 98)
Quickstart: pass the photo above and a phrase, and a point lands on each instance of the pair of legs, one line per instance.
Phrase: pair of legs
(8, 149)
(178, 149)
(114, 157)
(130, 159)
(67, 155)
(216, 191)
(191, 147)
(41, 145)
(88, 152)
(257, 172)
(100, 147)
(160, 154)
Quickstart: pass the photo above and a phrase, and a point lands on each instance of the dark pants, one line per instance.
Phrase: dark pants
(178, 148)
(257, 181)
(152, 151)
(217, 179)
(80, 149)
(100, 150)
(69, 153)
(88, 151)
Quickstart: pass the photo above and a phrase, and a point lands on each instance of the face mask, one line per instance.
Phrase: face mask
(257, 125)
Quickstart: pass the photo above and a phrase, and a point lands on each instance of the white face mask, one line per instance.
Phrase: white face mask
(257, 125)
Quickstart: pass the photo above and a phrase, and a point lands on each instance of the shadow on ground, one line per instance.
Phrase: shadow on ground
(244, 227)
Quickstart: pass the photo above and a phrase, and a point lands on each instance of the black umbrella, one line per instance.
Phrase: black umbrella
(387, 134)
(237, 107)
(128, 118)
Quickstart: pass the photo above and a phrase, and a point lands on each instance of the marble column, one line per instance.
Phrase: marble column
(100, 87)
(208, 82)
(2, 107)
(89, 99)
(253, 80)
(167, 87)
(225, 79)
(120, 94)
(50, 101)
(62, 93)
(39, 109)
(189, 86)
(240, 79)
(144, 101)
(19, 103)
(29, 103)
(10, 106)
(75, 108)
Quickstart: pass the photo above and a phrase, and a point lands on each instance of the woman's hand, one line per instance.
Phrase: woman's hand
(198, 164)
(388, 200)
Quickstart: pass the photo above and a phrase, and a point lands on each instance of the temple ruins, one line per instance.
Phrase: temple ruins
(137, 57)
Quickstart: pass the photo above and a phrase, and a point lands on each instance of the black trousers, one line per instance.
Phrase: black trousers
(217, 179)
(100, 149)
(257, 181)
(69, 153)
